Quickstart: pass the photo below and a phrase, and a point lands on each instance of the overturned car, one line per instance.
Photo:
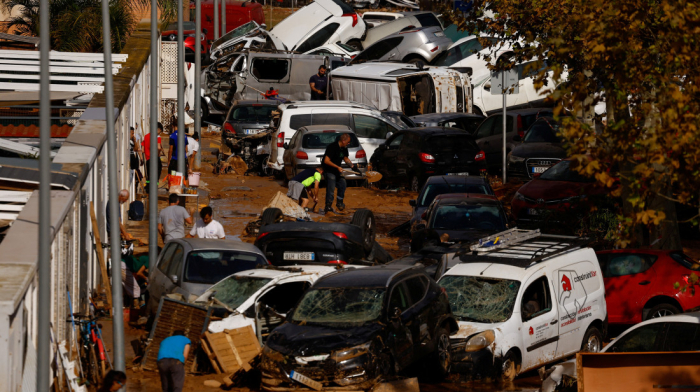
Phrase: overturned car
(356, 327)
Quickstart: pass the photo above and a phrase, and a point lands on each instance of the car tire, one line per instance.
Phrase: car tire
(662, 310)
(510, 367)
(355, 43)
(441, 360)
(364, 219)
(270, 216)
(592, 340)
(415, 60)
(204, 113)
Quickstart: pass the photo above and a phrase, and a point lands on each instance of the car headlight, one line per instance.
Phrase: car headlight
(350, 353)
(515, 158)
(480, 341)
(519, 196)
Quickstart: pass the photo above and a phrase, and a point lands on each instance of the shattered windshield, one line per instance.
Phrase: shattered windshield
(340, 306)
(235, 290)
(483, 300)
(237, 32)
(469, 216)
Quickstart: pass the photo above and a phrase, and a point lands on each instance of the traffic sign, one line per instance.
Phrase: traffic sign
(511, 81)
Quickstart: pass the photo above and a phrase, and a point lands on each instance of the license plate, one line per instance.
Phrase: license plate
(306, 256)
(539, 169)
(439, 34)
(533, 211)
(458, 174)
(251, 131)
(313, 384)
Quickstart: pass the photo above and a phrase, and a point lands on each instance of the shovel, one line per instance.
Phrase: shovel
(370, 176)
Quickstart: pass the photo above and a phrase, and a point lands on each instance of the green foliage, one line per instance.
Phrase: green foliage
(638, 55)
(76, 25)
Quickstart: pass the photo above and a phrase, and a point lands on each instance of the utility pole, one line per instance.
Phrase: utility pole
(223, 18)
(153, 178)
(180, 95)
(43, 357)
(216, 19)
(115, 239)
(197, 81)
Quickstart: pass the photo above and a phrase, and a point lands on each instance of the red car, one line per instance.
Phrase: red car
(554, 195)
(188, 30)
(639, 284)
(238, 13)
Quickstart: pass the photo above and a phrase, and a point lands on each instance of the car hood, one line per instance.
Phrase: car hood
(470, 328)
(305, 340)
(539, 150)
(554, 190)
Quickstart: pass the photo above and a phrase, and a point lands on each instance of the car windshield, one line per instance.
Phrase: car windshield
(337, 306)
(319, 141)
(562, 172)
(211, 266)
(253, 113)
(237, 32)
(432, 190)
(460, 52)
(468, 217)
(543, 132)
(483, 300)
(235, 290)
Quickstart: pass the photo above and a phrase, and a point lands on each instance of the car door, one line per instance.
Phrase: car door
(540, 328)
(389, 153)
(421, 327)
(400, 336)
(272, 306)
(628, 278)
(159, 275)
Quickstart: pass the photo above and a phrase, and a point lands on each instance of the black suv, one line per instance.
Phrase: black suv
(410, 156)
(542, 148)
(455, 217)
(465, 121)
(293, 243)
(356, 326)
(246, 118)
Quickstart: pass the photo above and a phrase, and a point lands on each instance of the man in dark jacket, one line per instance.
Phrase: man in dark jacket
(335, 154)
(318, 84)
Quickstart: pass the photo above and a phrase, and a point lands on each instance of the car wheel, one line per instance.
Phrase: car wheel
(414, 186)
(415, 60)
(364, 219)
(510, 367)
(662, 310)
(355, 43)
(204, 110)
(443, 358)
(270, 216)
(592, 341)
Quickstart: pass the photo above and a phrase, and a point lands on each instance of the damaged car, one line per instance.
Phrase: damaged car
(294, 243)
(248, 36)
(523, 300)
(356, 327)
(411, 45)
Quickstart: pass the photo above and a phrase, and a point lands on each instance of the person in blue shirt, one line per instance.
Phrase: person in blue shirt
(172, 151)
(172, 356)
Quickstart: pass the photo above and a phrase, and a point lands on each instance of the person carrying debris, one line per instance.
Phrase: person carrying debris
(171, 220)
(207, 227)
(301, 182)
(172, 356)
(319, 83)
(335, 154)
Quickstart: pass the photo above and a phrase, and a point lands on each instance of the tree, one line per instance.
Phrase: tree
(638, 56)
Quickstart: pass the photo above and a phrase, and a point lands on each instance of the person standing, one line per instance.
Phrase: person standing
(147, 151)
(172, 356)
(171, 221)
(123, 197)
(299, 184)
(172, 151)
(206, 227)
(192, 148)
(334, 156)
(319, 84)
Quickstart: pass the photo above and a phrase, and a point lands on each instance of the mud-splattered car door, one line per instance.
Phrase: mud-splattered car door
(540, 328)
(400, 339)
(423, 326)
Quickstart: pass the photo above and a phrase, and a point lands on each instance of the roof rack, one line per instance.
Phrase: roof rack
(522, 248)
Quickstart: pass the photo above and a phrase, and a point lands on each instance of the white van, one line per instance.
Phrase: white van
(522, 300)
(370, 127)
(403, 87)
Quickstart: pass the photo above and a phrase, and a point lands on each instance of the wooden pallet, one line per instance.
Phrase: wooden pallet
(232, 349)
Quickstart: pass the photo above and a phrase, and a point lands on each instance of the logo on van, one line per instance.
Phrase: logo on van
(532, 332)
(572, 294)
(565, 283)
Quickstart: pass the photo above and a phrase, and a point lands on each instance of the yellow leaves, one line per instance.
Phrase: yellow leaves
(598, 48)
(650, 216)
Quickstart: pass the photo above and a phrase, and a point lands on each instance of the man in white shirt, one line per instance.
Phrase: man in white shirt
(192, 148)
(206, 227)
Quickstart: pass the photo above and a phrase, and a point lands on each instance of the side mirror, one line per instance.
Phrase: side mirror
(396, 314)
(517, 138)
(174, 278)
(487, 86)
(388, 134)
(412, 202)
(285, 145)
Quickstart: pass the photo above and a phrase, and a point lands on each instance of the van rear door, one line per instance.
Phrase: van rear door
(417, 93)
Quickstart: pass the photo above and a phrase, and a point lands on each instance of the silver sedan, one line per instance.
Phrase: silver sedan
(308, 145)
(409, 46)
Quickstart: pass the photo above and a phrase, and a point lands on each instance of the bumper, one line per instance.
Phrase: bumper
(478, 364)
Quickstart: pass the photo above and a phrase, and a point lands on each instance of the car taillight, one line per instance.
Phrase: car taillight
(280, 139)
(521, 131)
(302, 155)
(341, 262)
(229, 128)
(360, 154)
(340, 235)
(353, 15)
(480, 156)
(261, 236)
(435, 48)
(427, 158)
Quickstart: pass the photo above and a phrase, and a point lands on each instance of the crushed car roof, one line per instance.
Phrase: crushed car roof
(377, 276)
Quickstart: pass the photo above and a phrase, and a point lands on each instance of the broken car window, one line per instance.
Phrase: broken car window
(212, 266)
(270, 69)
(484, 300)
(469, 217)
(235, 290)
(340, 306)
